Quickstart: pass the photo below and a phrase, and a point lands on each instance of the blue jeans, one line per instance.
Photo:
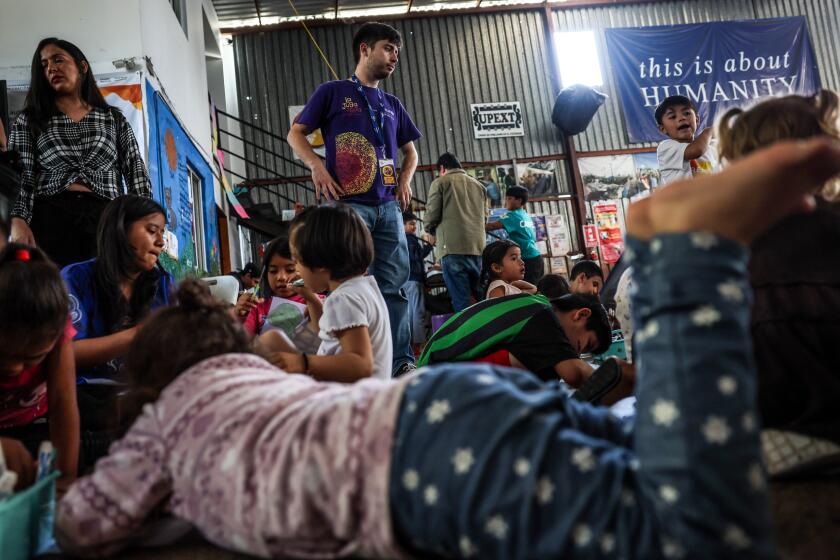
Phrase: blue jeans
(551, 477)
(460, 274)
(390, 269)
(416, 308)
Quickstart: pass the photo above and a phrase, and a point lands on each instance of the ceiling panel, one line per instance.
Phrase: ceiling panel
(237, 13)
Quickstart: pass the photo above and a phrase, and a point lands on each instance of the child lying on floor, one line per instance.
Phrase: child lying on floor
(471, 460)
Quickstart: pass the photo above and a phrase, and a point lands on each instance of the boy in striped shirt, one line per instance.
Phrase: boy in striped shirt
(527, 331)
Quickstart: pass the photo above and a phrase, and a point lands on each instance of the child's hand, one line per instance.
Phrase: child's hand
(244, 305)
(290, 362)
(305, 292)
(18, 460)
(742, 201)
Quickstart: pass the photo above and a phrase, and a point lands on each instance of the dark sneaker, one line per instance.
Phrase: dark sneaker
(405, 369)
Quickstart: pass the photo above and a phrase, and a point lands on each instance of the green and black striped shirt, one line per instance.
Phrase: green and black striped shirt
(525, 325)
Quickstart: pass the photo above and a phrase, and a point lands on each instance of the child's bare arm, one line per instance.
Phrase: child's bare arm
(526, 287)
(355, 361)
(64, 412)
(742, 201)
(699, 146)
(90, 352)
(498, 291)
(574, 372)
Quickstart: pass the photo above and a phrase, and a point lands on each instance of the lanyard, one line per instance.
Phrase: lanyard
(378, 125)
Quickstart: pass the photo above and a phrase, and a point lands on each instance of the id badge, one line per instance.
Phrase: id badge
(388, 172)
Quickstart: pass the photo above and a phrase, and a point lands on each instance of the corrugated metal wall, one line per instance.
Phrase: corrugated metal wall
(450, 62)
(447, 63)
(824, 24)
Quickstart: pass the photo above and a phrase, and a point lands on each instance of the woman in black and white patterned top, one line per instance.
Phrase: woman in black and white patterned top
(76, 151)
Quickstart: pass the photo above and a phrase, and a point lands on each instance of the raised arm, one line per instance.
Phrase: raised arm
(699, 146)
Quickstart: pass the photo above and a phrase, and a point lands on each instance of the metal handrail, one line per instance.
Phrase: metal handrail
(263, 148)
(264, 168)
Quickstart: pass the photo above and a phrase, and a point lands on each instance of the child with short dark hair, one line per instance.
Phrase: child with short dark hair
(587, 278)
(333, 249)
(37, 373)
(531, 332)
(521, 230)
(503, 271)
(684, 154)
(553, 286)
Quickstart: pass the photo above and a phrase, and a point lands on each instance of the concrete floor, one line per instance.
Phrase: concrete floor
(806, 513)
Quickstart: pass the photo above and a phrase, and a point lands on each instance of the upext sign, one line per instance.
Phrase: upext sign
(497, 120)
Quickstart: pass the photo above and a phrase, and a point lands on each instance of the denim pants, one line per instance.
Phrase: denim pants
(417, 310)
(490, 462)
(460, 274)
(390, 269)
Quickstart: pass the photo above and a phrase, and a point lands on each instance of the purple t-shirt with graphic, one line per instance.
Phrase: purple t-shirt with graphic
(353, 152)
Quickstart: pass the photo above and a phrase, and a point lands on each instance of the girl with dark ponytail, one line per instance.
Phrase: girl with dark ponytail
(503, 271)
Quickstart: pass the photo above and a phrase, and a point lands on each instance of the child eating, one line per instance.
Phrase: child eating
(280, 305)
(332, 249)
(281, 465)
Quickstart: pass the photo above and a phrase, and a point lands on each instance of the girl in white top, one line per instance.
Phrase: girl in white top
(503, 270)
(333, 249)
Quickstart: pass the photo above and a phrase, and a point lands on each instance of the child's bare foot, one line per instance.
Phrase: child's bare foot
(742, 201)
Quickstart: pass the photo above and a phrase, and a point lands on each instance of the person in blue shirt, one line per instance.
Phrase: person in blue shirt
(111, 295)
(520, 228)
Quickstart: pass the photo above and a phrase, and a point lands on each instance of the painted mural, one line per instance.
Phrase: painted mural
(171, 155)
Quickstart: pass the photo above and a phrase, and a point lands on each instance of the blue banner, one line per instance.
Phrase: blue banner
(717, 65)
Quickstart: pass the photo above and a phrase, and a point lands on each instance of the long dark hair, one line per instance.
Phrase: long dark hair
(33, 299)
(116, 262)
(40, 99)
(278, 246)
(492, 254)
(157, 355)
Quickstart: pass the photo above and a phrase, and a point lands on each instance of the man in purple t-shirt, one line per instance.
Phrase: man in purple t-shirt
(364, 129)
